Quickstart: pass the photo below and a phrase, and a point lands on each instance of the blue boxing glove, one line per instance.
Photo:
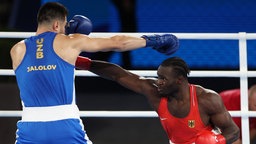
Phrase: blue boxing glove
(167, 43)
(79, 24)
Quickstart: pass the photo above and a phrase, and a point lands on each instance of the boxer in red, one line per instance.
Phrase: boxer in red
(231, 99)
(188, 113)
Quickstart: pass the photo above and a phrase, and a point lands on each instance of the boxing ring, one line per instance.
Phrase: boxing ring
(243, 73)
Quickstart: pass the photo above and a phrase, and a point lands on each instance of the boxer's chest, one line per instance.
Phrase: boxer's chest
(179, 110)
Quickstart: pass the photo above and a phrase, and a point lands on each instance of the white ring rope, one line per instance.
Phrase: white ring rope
(243, 73)
(216, 36)
(143, 114)
(152, 73)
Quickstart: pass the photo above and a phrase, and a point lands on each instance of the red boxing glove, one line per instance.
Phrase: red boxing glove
(83, 63)
(209, 137)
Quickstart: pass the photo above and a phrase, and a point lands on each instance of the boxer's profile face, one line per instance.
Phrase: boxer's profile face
(167, 81)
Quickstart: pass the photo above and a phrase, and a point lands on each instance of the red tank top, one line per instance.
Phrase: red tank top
(182, 130)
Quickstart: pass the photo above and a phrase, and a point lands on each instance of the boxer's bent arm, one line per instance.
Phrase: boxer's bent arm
(228, 128)
(221, 118)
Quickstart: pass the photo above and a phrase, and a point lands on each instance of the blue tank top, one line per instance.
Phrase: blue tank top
(44, 79)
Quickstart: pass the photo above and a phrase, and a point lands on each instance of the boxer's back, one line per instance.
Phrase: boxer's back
(43, 77)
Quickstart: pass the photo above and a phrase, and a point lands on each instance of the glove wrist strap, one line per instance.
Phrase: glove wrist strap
(150, 40)
(83, 63)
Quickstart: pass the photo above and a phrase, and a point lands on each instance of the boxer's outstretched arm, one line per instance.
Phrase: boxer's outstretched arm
(80, 26)
(110, 71)
(116, 73)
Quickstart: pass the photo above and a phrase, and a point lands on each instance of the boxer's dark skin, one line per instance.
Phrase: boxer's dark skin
(172, 82)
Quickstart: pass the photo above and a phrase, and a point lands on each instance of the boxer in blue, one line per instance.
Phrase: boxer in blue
(44, 68)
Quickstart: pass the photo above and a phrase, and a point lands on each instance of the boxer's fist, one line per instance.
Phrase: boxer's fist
(166, 44)
(79, 24)
(208, 137)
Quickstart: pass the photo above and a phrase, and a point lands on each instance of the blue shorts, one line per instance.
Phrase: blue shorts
(69, 131)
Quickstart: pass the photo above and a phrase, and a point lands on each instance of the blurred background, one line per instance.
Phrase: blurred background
(169, 16)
